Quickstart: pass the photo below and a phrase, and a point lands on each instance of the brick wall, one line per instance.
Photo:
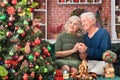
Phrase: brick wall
(59, 13)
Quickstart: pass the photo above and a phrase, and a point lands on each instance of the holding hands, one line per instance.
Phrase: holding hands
(81, 47)
(75, 48)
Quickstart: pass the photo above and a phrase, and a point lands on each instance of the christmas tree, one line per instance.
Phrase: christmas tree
(24, 53)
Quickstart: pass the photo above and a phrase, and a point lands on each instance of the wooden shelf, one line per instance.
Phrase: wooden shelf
(115, 20)
(117, 24)
(79, 1)
(40, 12)
(42, 24)
(115, 40)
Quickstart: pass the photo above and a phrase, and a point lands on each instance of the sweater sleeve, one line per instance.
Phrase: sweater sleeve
(95, 53)
(58, 43)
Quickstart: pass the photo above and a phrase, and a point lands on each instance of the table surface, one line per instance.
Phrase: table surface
(102, 78)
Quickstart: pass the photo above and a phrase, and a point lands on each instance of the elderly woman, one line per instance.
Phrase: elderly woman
(66, 46)
(97, 41)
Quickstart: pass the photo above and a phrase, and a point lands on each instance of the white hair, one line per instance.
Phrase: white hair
(71, 19)
(89, 15)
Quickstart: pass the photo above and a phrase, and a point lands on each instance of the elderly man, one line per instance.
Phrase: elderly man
(97, 40)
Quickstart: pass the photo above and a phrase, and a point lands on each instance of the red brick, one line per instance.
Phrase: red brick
(59, 14)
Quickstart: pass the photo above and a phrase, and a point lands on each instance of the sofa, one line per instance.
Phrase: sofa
(115, 47)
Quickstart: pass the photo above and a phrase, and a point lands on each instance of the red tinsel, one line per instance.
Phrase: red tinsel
(55, 30)
(58, 75)
(12, 62)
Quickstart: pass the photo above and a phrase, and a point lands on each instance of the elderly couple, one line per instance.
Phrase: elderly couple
(71, 48)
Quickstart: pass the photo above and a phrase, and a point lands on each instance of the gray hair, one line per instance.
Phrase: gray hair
(90, 15)
(73, 18)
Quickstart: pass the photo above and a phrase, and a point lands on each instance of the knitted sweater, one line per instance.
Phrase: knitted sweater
(66, 41)
(98, 44)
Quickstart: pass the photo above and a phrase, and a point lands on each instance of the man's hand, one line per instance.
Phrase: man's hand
(82, 47)
(83, 56)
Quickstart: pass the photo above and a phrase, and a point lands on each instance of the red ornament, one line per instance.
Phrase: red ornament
(14, 2)
(32, 44)
(11, 10)
(43, 48)
(38, 26)
(37, 54)
(16, 73)
(20, 10)
(43, 56)
(16, 28)
(1, 58)
(32, 74)
(29, 2)
(2, 4)
(12, 62)
(17, 47)
(37, 41)
(9, 34)
(15, 57)
(6, 77)
(10, 24)
(58, 75)
(47, 63)
(47, 54)
(23, 34)
(31, 9)
(20, 58)
(45, 51)
(34, 58)
(62, 1)
(40, 77)
(25, 76)
(76, 0)
(31, 65)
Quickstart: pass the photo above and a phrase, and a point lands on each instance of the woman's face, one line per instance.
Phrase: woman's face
(86, 23)
(73, 26)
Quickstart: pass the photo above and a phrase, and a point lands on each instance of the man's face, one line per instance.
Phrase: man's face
(86, 23)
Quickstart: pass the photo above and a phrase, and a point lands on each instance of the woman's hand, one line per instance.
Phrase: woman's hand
(67, 52)
(75, 48)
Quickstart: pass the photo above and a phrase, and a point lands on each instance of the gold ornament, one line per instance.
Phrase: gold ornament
(21, 14)
(109, 72)
(83, 73)
(27, 48)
